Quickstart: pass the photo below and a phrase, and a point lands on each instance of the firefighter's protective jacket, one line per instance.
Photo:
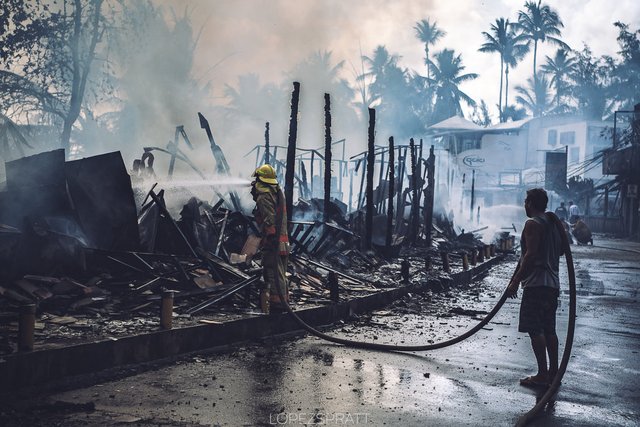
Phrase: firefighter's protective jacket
(270, 206)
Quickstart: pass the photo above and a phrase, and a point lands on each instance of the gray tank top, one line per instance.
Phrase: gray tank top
(547, 264)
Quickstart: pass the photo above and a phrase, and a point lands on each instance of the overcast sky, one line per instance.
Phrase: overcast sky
(270, 36)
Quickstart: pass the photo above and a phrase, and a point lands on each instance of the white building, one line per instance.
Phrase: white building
(514, 153)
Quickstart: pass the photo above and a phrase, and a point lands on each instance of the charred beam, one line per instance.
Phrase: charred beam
(266, 143)
(429, 195)
(327, 155)
(414, 195)
(291, 149)
(392, 185)
(370, 165)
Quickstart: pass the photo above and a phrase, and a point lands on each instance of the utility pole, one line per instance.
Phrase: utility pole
(473, 185)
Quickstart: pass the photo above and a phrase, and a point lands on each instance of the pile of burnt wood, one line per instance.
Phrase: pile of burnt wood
(77, 238)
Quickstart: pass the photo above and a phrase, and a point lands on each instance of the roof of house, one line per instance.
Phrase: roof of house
(515, 125)
(456, 123)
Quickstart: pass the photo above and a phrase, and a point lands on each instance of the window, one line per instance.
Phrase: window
(552, 137)
(510, 178)
(574, 155)
(567, 138)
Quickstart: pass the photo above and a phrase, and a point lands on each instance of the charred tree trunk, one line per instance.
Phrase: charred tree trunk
(413, 230)
(428, 197)
(370, 165)
(291, 149)
(81, 66)
(266, 143)
(392, 185)
(327, 155)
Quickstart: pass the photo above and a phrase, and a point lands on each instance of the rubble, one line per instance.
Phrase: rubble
(95, 255)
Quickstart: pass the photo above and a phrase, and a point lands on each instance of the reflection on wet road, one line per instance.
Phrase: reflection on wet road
(302, 380)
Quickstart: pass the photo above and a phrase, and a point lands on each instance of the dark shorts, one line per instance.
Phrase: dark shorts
(538, 310)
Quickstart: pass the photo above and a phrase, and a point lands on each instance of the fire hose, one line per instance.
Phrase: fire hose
(553, 387)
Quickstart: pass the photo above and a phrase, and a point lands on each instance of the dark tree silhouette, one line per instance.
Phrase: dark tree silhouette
(447, 77)
(539, 23)
(428, 34)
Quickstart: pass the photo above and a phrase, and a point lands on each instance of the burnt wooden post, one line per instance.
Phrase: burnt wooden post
(313, 160)
(413, 230)
(473, 189)
(334, 287)
(381, 176)
(392, 184)
(606, 205)
(26, 327)
(405, 267)
(399, 199)
(327, 155)
(446, 265)
(429, 195)
(362, 179)
(370, 164)
(173, 148)
(350, 189)
(266, 143)
(291, 149)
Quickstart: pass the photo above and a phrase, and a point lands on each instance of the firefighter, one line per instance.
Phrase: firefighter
(270, 211)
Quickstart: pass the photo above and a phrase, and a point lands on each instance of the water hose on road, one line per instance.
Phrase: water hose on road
(524, 419)
(633, 251)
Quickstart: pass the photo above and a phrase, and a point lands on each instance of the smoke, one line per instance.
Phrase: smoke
(182, 57)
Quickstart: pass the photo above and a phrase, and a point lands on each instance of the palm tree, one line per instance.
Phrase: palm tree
(380, 66)
(514, 113)
(591, 79)
(540, 23)
(535, 97)
(495, 43)
(447, 76)
(515, 49)
(559, 67)
(428, 34)
(253, 100)
(392, 90)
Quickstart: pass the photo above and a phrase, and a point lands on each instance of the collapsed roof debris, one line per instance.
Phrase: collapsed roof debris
(85, 246)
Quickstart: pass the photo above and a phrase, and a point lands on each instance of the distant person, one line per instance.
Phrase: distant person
(561, 212)
(574, 212)
(582, 232)
(478, 215)
(538, 271)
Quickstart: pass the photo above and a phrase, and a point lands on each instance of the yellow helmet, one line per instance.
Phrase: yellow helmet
(267, 174)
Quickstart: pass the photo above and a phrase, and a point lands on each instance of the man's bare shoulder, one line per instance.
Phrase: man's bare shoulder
(532, 226)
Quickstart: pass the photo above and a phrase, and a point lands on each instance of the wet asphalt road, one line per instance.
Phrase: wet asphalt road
(301, 380)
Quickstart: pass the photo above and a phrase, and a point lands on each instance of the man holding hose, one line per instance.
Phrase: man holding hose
(538, 269)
